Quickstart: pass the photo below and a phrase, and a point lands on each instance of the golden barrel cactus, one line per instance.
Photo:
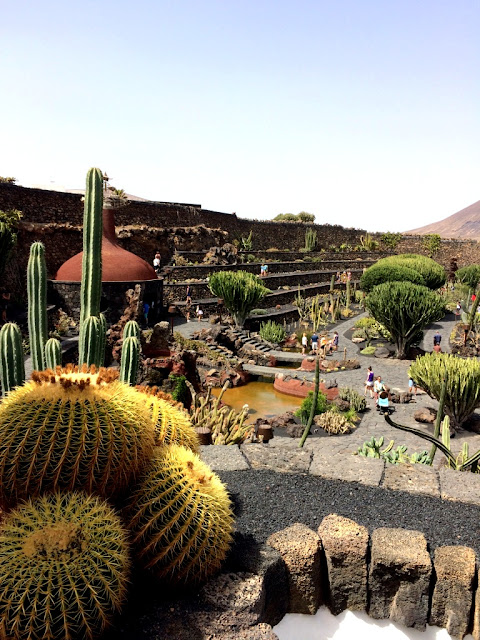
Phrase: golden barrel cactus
(170, 420)
(180, 517)
(72, 429)
(64, 568)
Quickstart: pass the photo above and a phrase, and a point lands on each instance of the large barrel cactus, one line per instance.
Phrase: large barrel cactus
(72, 429)
(180, 517)
(63, 568)
(170, 420)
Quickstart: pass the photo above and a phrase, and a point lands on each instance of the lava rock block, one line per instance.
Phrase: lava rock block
(346, 547)
(399, 578)
(343, 405)
(301, 550)
(382, 352)
(453, 594)
(427, 415)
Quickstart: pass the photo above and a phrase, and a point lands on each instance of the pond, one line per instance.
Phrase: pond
(264, 401)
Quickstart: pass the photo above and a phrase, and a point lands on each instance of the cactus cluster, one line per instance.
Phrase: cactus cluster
(333, 422)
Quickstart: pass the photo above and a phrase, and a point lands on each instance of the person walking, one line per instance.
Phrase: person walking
(378, 387)
(315, 342)
(189, 295)
(369, 382)
(334, 342)
(156, 263)
(412, 386)
(437, 338)
(304, 343)
(199, 313)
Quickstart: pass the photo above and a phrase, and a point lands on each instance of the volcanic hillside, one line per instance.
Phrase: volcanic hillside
(463, 224)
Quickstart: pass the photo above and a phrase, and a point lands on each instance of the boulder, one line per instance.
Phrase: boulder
(346, 548)
(301, 550)
(382, 352)
(427, 415)
(453, 593)
(343, 405)
(399, 578)
(294, 430)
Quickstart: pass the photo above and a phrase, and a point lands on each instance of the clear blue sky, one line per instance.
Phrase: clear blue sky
(364, 113)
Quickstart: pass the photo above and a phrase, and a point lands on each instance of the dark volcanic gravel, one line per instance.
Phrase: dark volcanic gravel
(267, 501)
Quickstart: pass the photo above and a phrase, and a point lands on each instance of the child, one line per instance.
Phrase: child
(199, 313)
(304, 342)
(383, 402)
(334, 343)
(412, 386)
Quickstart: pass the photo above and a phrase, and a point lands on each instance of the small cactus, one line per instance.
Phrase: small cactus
(12, 368)
(131, 330)
(72, 429)
(64, 567)
(53, 353)
(37, 304)
(129, 360)
(180, 517)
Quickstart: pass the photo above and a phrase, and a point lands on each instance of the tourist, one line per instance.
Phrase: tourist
(304, 343)
(199, 313)
(383, 402)
(188, 308)
(349, 276)
(437, 348)
(437, 338)
(458, 309)
(378, 387)
(334, 342)
(315, 342)
(264, 270)
(189, 295)
(4, 305)
(156, 263)
(369, 382)
(146, 310)
(412, 386)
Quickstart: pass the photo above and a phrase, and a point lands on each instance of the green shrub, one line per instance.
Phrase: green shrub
(377, 274)
(258, 312)
(365, 323)
(240, 291)
(250, 257)
(368, 351)
(432, 272)
(272, 332)
(359, 333)
(304, 411)
(469, 275)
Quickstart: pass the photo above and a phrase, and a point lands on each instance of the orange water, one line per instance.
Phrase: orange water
(263, 400)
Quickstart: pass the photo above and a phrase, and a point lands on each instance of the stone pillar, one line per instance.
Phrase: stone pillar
(399, 579)
(346, 546)
(301, 551)
(453, 594)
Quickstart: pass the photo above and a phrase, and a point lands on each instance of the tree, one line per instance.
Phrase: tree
(432, 272)
(404, 309)
(8, 238)
(431, 244)
(303, 216)
(469, 275)
(390, 239)
(378, 274)
(240, 291)
(462, 377)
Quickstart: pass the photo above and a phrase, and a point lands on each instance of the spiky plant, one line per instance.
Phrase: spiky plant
(12, 367)
(37, 304)
(170, 420)
(240, 291)
(72, 429)
(63, 568)
(53, 353)
(180, 517)
(130, 360)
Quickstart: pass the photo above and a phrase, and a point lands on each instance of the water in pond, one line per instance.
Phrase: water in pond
(264, 401)
(325, 626)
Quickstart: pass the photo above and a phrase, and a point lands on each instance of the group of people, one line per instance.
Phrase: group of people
(345, 276)
(378, 390)
(323, 342)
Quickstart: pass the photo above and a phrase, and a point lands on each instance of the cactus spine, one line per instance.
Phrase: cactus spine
(12, 368)
(64, 567)
(37, 304)
(53, 353)
(91, 287)
(129, 361)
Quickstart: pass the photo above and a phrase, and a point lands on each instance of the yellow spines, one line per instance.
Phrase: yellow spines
(180, 517)
(72, 429)
(64, 568)
(171, 422)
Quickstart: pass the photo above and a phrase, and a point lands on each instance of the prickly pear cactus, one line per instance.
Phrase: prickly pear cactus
(72, 429)
(64, 568)
(180, 517)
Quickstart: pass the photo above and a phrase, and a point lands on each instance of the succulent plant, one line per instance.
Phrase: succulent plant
(357, 401)
(12, 368)
(130, 360)
(37, 304)
(53, 353)
(171, 422)
(333, 422)
(180, 517)
(63, 568)
(72, 429)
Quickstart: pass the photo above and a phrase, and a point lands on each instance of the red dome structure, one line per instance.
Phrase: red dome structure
(118, 265)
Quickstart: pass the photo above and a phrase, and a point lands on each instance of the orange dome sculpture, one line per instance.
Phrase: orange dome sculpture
(118, 265)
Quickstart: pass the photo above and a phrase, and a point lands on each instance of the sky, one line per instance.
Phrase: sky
(365, 113)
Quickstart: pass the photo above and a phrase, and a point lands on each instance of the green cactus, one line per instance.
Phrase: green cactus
(180, 517)
(316, 388)
(37, 304)
(53, 353)
(310, 240)
(240, 291)
(333, 422)
(12, 368)
(129, 360)
(91, 287)
(332, 283)
(72, 429)
(90, 341)
(64, 567)
(103, 340)
(131, 330)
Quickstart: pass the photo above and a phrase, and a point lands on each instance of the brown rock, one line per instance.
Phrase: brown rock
(258, 632)
(415, 478)
(425, 415)
(346, 546)
(294, 430)
(453, 594)
(301, 550)
(399, 578)
(236, 592)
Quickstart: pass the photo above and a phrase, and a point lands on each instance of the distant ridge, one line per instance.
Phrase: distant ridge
(463, 224)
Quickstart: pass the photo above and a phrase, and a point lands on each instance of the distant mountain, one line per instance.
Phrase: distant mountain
(463, 224)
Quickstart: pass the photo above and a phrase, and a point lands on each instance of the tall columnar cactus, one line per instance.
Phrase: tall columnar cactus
(180, 517)
(131, 330)
(129, 361)
(12, 368)
(103, 340)
(91, 341)
(64, 567)
(72, 429)
(170, 420)
(91, 287)
(316, 387)
(37, 304)
(310, 240)
(53, 353)
(240, 291)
